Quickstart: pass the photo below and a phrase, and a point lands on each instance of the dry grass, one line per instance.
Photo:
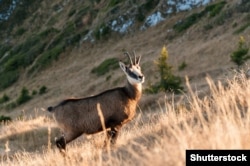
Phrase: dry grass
(220, 120)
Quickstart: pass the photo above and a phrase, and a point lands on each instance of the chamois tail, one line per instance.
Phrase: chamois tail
(50, 109)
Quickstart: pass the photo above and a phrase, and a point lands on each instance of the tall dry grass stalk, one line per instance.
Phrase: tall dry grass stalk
(219, 120)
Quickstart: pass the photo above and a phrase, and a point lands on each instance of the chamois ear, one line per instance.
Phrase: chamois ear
(123, 66)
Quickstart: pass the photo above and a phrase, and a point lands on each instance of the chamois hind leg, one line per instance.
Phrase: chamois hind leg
(65, 139)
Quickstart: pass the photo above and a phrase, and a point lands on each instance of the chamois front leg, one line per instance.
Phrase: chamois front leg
(112, 135)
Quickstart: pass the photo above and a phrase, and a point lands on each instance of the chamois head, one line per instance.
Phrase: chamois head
(133, 71)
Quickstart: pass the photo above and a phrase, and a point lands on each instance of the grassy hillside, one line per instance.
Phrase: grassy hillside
(55, 46)
(217, 121)
(51, 50)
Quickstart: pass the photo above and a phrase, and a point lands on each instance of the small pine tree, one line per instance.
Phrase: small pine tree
(168, 81)
(240, 55)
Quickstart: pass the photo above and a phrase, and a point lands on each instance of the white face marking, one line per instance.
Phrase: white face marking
(133, 73)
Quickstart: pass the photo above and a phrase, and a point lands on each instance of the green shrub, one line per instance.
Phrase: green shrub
(34, 92)
(23, 97)
(42, 90)
(105, 66)
(145, 8)
(242, 28)
(4, 99)
(102, 32)
(182, 66)
(150, 4)
(74, 39)
(140, 15)
(71, 12)
(5, 118)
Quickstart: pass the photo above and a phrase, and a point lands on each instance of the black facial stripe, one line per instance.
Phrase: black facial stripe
(131, 74)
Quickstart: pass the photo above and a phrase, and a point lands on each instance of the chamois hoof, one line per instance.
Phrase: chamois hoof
(61, 143)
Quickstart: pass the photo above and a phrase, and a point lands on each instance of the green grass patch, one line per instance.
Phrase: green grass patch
(188, 22)
(20, 32)
(83, 11)
(4, 49)
(23, 97)
(74, 39)
(105, 66)
(71, 12)
(8, 78)
(102, 32)
(112, 3)
(182, 66)
(242, 28)
(61, 38)
(212, 10)
(52, 21)
(24, 59)
(47, 58)
(47, 32)
(149, 4)
(215, 9)
(4, 99)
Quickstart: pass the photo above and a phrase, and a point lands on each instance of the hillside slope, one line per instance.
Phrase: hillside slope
(58, 44)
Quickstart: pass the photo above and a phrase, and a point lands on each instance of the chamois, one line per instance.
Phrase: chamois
(118, 106)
